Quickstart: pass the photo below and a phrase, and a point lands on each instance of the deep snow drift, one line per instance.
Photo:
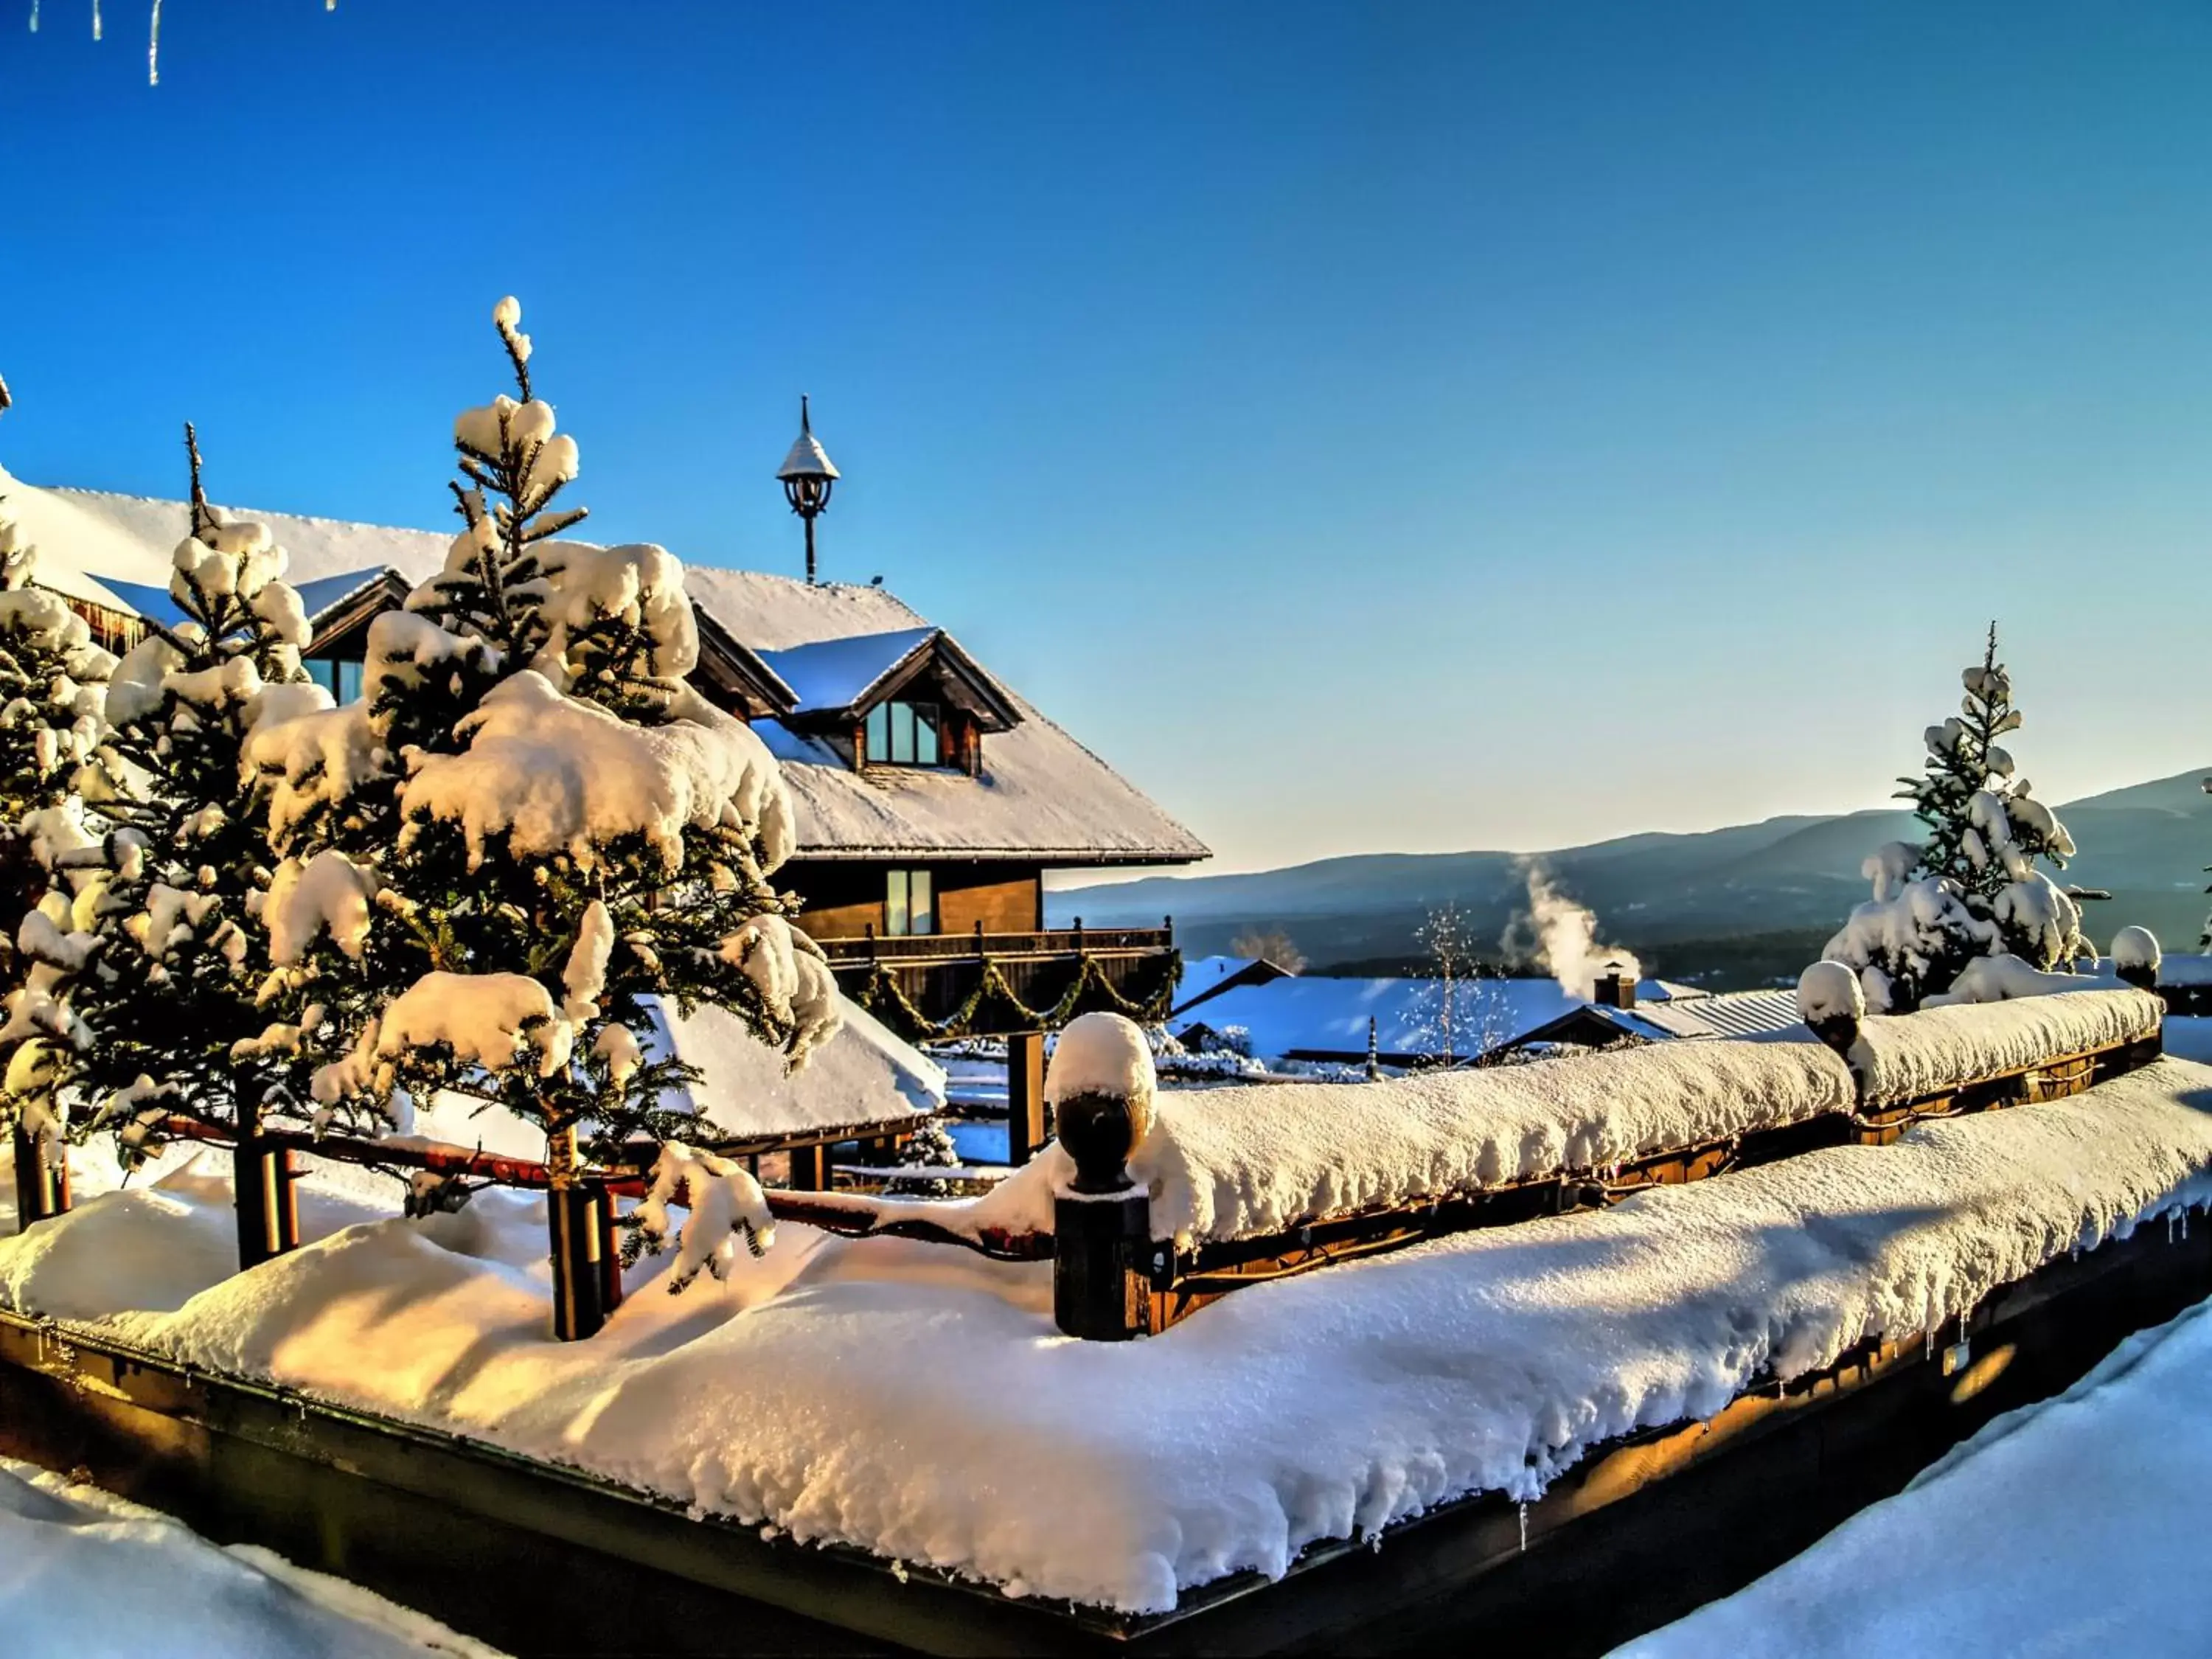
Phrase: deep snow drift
(2070, 1527)
(90, 1575)
(873, 1391)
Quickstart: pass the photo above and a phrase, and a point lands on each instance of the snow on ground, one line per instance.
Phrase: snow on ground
(2070, 1527)
(92, 1575)
(866, 1391)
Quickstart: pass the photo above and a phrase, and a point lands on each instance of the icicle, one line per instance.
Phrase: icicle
(153, 49)
(34, 16)
(95, 19)
(1524, 1526)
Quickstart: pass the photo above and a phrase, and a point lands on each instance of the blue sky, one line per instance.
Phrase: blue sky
(1411, 426)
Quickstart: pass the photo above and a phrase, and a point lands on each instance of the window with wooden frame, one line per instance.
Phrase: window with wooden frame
(903, 733)
(341, 679)
(909, 902)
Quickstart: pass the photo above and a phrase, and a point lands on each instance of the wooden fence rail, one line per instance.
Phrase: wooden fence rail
(1112, 1279)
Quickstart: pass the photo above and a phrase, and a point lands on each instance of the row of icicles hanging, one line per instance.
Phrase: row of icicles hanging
(153, 34)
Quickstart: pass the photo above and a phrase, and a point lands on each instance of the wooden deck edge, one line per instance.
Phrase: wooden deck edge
(539, 1557)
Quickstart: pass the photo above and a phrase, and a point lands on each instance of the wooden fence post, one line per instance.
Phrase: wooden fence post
(262, 1182)
(42, 1187)
(810, 1169)
(1102, 1225)
(576, 1227)
(1025, 1096)
(611, 1290)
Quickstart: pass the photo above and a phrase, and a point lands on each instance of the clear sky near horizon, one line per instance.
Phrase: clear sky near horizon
(1398, 426)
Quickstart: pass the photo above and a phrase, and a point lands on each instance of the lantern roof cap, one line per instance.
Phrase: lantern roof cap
(807, 458)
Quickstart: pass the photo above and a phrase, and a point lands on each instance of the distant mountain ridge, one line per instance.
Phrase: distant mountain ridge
(2147, 843)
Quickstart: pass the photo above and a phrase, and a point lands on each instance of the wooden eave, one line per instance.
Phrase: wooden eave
(337, 625)
(728, 665)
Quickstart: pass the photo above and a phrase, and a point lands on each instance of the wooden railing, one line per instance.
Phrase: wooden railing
(917, 948)
(985, 984)
(1112, 1279)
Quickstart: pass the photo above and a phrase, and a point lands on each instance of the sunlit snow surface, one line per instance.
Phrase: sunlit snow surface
(917, 1401)
(2072, 1526)
(88, 1575)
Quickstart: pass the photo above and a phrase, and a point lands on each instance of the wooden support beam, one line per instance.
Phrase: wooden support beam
(810, 1169)
(263, 1176)
(41, 1178)
(1025, 1126)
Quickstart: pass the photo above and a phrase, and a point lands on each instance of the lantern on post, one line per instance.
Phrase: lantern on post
(807, 477)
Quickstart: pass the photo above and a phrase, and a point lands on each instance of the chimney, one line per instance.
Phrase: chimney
(1614, 989)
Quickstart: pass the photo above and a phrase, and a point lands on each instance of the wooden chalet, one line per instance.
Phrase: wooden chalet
(931, 801)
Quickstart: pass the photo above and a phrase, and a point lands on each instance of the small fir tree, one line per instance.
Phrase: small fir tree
(166, 944)
(529, 826)
(1972, 888)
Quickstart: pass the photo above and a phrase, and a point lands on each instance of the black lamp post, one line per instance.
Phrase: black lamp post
(807, 480)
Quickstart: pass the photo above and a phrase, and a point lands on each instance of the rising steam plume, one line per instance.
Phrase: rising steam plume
(1558, 934)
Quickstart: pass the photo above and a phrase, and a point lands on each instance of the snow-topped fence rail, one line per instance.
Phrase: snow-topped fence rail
(1230, 1188)
(1151, 1208)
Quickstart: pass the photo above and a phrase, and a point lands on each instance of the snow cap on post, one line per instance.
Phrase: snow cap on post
(1100, 1088)
(2135, 957)
(1833, 1002)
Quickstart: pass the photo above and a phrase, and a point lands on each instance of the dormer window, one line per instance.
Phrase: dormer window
(908, 698)
(903, 733)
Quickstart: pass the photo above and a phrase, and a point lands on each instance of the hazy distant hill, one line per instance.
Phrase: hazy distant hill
(1671, 898)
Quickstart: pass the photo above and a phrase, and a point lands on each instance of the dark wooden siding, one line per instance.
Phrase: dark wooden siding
(845, 899)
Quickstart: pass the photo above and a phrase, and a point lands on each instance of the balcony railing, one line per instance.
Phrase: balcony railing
(981, 984)
(954, 947)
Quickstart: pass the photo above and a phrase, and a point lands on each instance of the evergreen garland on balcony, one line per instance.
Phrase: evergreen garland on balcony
(887, 999)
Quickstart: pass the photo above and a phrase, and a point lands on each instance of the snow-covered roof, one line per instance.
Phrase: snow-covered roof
(864, 1078)
(829, 674)
(865, 1075)
(1040, 794)
(325, 594)
(156, 604)
(1731, 1013)
(1313, 1014)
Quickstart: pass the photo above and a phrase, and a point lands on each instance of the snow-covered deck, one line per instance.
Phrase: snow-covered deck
(1322, 1407)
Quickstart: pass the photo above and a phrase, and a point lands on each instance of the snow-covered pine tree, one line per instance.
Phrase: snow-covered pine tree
(1972, 888)
(52, 683)
(165, 945)
(532, 825)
